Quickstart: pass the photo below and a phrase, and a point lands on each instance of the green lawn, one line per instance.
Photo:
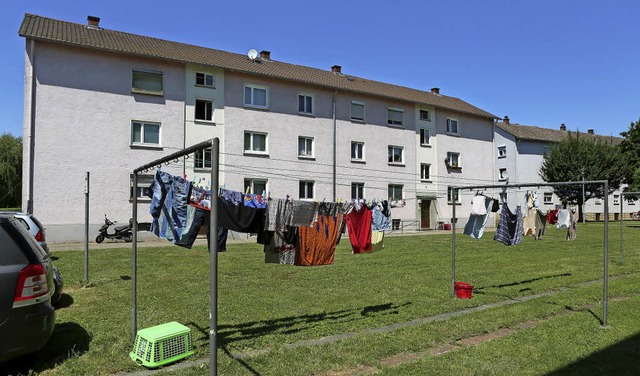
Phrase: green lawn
(266, 307)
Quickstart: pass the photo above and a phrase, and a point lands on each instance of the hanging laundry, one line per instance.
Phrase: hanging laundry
(529, 222)
(303, 213)
(377, 240)
(252, 200)
(564, 221)
(552, 217)
(281, 247)
(398, 203)
(359, 227)
(278, 210)
(571, 229)
(169, 199)
(317, 243)
(495, 206)
(240, 218)
(510, 226)
(541, 223)
(381, 216)
(476, 223)
(196, 217)
(479, 205)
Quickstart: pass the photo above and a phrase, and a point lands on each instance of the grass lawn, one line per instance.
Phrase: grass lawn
(263, 308)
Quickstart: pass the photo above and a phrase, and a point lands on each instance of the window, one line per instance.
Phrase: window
(306, 190)
(395, 116)
(425, 171)
(144, 181)
(502, 151)
(146, 82)
(357, 191)
(255, 142)
(616, 199)
(255, 186)
(450, 197)
(452, 126)
(203, 79)
(395, 192)
(357, 111)
(425, 137)
(204, 110)
(395, 224)
(145, 133)
(598, 202)
(357, 151)
(424, 115)
(305, 147)
(256, 96)
(503, 174)
(453, 160)
(305, 104)
(548, 198)
(203, 159)
(395, 154)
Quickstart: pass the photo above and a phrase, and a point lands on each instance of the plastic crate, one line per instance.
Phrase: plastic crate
(162, 344)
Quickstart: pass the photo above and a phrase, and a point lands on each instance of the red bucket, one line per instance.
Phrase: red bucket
(463, 290)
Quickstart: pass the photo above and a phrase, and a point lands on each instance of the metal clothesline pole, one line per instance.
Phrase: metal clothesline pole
(455, 189)
(622, 194)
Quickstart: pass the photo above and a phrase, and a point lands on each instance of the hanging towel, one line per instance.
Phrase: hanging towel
(476, 223)
(303, 213)
(479, 205)
(552, 217)
(541, 223)
(571, 229)
(377, 240)
(563, 219)
(317, 243)
(510, 226)
(278, 210)
(359, 227)
(530, 222)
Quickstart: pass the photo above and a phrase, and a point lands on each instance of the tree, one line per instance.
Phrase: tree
(630, 147)
(579, 155)
(10, 171)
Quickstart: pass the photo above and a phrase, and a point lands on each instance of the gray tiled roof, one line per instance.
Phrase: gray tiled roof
(530, 132)
(47, 29)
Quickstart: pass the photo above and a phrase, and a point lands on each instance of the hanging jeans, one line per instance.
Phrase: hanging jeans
(169, 200)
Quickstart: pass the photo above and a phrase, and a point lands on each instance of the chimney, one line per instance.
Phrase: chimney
(265, 55)
(93, 21)
(336, 69)
(435, 90)
(506, 119)
(563, 127)
(590, 131)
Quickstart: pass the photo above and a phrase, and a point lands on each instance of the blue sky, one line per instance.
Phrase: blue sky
(539, 62)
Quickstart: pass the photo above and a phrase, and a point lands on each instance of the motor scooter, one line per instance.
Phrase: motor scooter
(120, 232)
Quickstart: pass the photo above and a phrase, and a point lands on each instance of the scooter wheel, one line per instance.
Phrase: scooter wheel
(127, 239)
(99, 238)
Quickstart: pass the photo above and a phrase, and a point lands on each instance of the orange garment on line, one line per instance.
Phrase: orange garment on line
(317, 243)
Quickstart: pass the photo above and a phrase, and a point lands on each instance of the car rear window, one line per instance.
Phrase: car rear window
(24, 223)
(10, 250)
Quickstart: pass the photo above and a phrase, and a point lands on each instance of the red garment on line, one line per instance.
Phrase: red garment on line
(552, 217)
(359, 226)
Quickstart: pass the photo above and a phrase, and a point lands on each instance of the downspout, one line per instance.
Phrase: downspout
(32, 129)
(335, 153)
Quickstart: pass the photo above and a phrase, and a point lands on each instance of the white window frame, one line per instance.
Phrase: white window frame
(501, 172)
(252, 182)
(616, 199)
(144, 181)
(359, 187)
(309, 154)
(392, 190)
(204, 80)
(147, 72)
(450, 122)
(395, 123)
(305, 110)
(202, 159)
(142, 134)
(423, 167)
(502, 151)
(391, 154)
(358, 103)
(306, 189)
(251, 99)
(547, 198)
(425, 137)
(251, 146)
(362, 151)
(195, 110)
(450, 195)
(427, 118)
(450, 155)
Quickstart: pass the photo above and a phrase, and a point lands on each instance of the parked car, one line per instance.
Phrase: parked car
(27, 317)
(37, 230)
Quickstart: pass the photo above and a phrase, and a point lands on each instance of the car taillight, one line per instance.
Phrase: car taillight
(32, 283)
(40, 236)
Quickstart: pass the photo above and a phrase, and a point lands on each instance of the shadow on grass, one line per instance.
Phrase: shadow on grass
(618, 359)
(65, 301)
(69, 340)
(523, 281)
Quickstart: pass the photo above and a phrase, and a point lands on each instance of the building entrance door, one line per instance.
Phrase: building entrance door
(425, 214)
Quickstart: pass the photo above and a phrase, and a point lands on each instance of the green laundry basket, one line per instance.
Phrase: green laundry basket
(162, 344)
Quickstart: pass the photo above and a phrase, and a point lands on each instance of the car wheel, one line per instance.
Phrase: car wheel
(99, 238)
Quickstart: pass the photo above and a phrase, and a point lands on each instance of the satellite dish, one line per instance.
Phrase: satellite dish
(252, 54)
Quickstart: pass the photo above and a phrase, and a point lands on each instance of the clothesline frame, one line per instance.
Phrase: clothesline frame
(456, 189)
(622, 194)
(214, 144)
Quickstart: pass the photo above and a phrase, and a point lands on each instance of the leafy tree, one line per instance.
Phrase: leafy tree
(10, 171)
(630, 146)
(579, 154)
